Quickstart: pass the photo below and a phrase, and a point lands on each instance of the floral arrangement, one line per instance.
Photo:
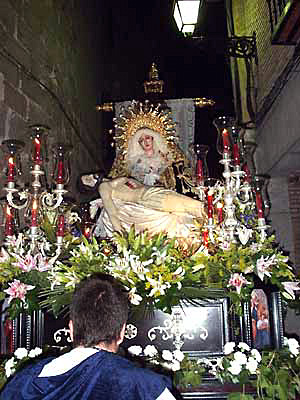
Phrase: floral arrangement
(19, 359)
(167, 359)
(186, 372)
(157, 271)
(273, 375)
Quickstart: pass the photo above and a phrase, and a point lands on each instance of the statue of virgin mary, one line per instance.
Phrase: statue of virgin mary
(140, 190)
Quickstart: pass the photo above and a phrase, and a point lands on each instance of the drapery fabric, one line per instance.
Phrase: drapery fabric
(101, 376)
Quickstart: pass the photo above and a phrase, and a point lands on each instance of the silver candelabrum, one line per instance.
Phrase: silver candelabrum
(237, 204)
(37, 199)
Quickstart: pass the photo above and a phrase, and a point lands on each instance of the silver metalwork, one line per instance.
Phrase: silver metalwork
(131, 331)
(175, 328)
(60, 333)
(25, 199)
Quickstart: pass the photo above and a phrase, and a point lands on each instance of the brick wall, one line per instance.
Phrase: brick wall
(294, 203)
(253, 16)
(51, 74)
(275, 95)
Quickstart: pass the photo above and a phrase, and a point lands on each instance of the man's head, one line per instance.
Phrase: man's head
(98, 311)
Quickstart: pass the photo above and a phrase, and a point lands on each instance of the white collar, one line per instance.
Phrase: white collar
(67, 361)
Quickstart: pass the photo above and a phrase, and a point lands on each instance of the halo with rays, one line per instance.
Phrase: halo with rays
(140, 115)
(143, 115)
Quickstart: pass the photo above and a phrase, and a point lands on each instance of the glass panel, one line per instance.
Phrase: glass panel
(189, 11)
(177, 17)
(188, 28)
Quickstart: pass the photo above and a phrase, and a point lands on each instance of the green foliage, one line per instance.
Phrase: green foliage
(274, 374)
(190, 374)
(156, 270)
(240, 396)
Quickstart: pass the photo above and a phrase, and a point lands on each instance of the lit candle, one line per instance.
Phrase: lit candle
(236, 154)
(11, 170)
(247, 177)
(199, 172)
(87, 232)
(210, 204)
(226, 144)
(259, 205)
(205, 237)
(34, 214)
(220, 212)
(60, 172)
(61, 226)
(37, 151)
(8, 222)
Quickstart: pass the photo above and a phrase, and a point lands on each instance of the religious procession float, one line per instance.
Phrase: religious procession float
(207, 283)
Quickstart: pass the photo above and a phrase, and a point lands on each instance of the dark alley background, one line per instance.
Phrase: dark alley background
(143, 32)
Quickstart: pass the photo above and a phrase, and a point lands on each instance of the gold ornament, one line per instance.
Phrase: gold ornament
(145, 115)
(154, 84)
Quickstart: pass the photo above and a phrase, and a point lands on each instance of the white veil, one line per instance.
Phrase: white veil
(135, 150)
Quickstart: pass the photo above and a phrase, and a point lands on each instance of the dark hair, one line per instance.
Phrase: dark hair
(98, 310)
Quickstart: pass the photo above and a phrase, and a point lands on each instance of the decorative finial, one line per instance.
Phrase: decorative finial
(154, 84)
(153, 73)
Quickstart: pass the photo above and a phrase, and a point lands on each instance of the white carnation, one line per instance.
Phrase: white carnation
(35, 352)
(135, 350)
(256, 354)
(229, 347)
(252, 365)
(220, 362)
(10, 363)
(178, 355)
(293, 346)
(175, 366)
(167, 355)
(21, 352)
(235, 367)
(9, 371)
(243, 346)
(150, 350)
(10, 367)
(167, 365)
(240, 357)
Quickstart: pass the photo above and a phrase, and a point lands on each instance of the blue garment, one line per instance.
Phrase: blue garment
(102, 376)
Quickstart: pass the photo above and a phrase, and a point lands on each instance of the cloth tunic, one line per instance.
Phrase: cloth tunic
(92, 375)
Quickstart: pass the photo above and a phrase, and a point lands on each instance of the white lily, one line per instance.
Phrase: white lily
(263, 266)
(289, 288)
(4, 256)
(138, 266)
(157, 286)
(73, 279)
(159, 256)
(45, 264)
(179, 273)
(134, 298)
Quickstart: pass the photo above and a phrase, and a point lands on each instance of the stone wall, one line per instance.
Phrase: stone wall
(51, 72)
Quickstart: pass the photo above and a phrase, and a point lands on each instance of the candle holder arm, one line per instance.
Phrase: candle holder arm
(23, 195)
